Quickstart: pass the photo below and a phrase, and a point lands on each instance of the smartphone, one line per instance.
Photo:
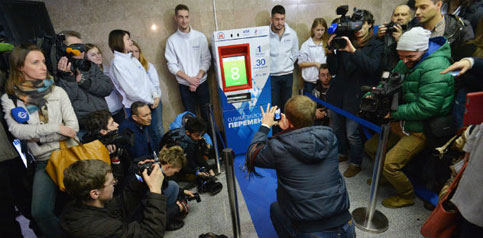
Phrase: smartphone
(454, 73)
(277, 115)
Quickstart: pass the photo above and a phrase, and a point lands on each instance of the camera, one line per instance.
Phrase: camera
(146, 166)
(277, 116)
(345, 27)
(70, 51)
(390, 27)
(182, 196)
(383, 99)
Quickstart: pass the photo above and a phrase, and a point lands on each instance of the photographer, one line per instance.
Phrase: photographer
(355, 65)
(312, 199)
(427, 95)
(96, 213)
(83, 81)
(390, 34)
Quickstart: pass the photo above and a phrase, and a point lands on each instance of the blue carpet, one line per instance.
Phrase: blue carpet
(259, 193)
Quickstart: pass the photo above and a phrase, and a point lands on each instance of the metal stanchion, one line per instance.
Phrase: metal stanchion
(214, 139)
(369, 219)
(228, 157)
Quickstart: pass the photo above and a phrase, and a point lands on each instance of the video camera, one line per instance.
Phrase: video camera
(383, 99)
(69, 52)
(184, 197)
(345, 27)
(390, 27)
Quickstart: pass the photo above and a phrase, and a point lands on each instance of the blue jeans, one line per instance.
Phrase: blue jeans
(200, 97)
(44, 193)
(309, 87)
(283, 227)
(281, 89)
(156, 129)
(347, 130)
(171, 192)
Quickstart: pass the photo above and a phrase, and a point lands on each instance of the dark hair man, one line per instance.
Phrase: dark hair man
(320, 91)
(189, 59)
(426, 94)
(454, 28)
(311, 195)
(138, 124)
(401, 18)
(96, 213)
(86, 87)
(356, 65)
(284, 46)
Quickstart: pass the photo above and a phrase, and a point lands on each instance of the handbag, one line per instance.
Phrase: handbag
(65, 156)
(444, 219)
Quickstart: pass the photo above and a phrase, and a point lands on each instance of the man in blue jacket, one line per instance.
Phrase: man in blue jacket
(312, 197)
(138, 124)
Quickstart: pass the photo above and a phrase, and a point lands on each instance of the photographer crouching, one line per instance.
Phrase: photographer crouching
(312, 199)
(427, 99)
(96, 213)
(354, 58)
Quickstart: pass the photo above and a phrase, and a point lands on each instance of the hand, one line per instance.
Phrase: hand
(398, 33)
(155, 103)
(267, 117)
(181, 207)
(64, 65)
(67, 131)
(349, 47)
(381, 31)
(111, 148)
(388, 115)
(211, 173)
(283, 123)
(463, 65)
(154, 180)
(189, 193)
(320, 113)
(78, 77)
(317, 65)
(194, 81)
(193, 88)
(203, 174)
(331, 38)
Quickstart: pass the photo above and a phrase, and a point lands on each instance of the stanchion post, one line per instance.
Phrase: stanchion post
(369, 219)
(228, 157)
(214, 139)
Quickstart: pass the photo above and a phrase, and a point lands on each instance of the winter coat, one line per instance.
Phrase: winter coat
(426, 92)
(311, 191)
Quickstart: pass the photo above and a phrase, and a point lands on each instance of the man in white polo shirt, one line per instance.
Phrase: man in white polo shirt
(189, 60)
(283, 54)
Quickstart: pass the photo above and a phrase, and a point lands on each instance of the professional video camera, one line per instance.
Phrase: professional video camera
(390, 27)
(345, 27)
(72, 50)
(383, 99)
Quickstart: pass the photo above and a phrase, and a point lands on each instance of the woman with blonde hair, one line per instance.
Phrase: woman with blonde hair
(39, 112)
(312, 54)
(156, 129)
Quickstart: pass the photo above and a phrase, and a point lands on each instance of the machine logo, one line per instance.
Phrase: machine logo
(221, 35)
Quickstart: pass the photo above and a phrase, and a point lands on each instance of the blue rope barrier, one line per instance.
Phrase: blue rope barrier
(351, 116)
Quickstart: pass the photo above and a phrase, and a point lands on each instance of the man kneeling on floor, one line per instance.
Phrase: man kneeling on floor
(312, 199)
(95, 213)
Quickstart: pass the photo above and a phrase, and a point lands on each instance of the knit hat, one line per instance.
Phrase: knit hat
(416, 39)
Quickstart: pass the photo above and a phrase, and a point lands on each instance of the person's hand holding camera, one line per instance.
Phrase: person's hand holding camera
(381, 31)
(349, 47)
(64, 65)
(331, 38)
(268, 116)
(188, 193)
(154, 181)
(398, 32)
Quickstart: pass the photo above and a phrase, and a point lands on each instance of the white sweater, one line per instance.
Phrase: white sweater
(283, 51)
(189, 53)
(131, 80)
(310, 52)
(154, 78)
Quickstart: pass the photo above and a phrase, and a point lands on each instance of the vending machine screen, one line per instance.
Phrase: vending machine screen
(235, 72)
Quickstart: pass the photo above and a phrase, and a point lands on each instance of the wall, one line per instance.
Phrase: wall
(94, 19)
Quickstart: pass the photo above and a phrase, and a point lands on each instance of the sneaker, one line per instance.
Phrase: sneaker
(397, 202)
(352, 171)
(174, 224)
(343, 158)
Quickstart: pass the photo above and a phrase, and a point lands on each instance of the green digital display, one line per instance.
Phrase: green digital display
(235, 71)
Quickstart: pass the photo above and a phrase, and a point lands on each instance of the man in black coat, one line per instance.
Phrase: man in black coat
(356, 65)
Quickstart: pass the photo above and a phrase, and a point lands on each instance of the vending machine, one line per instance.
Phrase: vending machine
(242, 65)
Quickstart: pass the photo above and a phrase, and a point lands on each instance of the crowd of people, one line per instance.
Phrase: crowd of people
(120, 105)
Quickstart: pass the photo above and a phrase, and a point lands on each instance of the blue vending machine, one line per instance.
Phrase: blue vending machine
(242, 65)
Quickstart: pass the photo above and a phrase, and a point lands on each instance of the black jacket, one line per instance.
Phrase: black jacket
(78, 220)
(311, 191)
(353, 71)
(88, 95)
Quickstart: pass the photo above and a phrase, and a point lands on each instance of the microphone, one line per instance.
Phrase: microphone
(20, 115)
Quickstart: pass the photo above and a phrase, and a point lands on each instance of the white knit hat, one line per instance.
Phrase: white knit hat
(416, 39)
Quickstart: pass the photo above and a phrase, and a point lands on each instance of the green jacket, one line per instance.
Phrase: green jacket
(426, 92)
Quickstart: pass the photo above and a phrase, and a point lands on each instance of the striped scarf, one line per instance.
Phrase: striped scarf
(33, 93)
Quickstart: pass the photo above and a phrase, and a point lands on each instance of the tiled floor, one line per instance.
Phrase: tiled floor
(213, 213)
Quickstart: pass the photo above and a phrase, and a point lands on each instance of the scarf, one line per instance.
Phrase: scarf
(364, 41)
(33, 93)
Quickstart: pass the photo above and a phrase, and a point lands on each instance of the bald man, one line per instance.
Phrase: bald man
(401, 16)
